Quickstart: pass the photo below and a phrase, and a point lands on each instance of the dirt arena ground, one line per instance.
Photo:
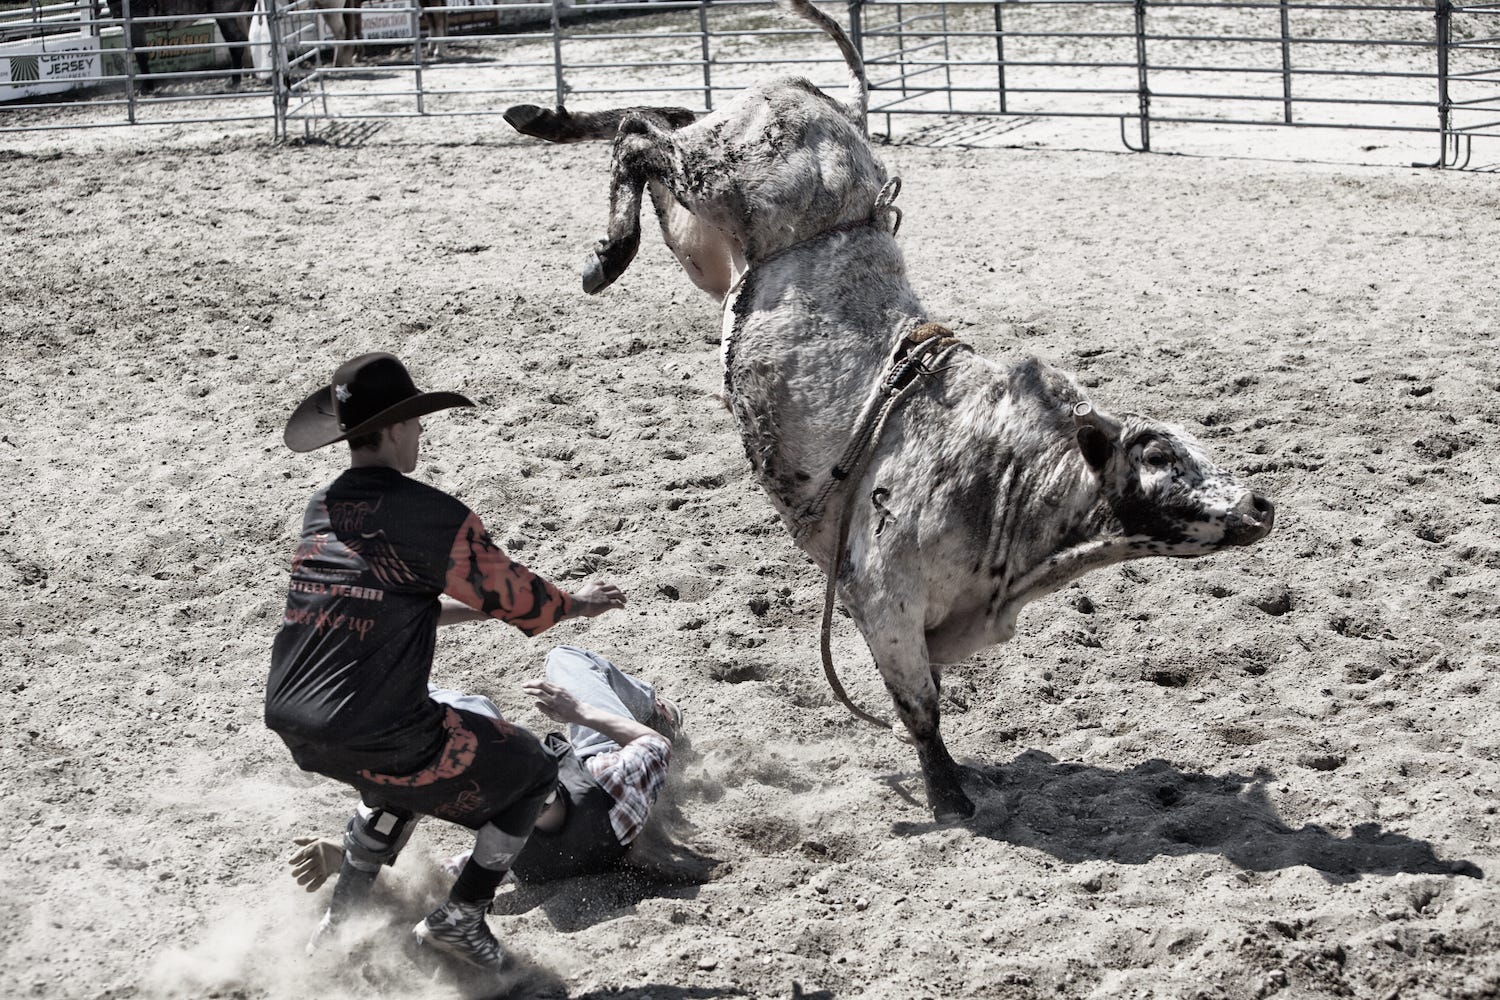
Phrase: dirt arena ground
(1271, 772)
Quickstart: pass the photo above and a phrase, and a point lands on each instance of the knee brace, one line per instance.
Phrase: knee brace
(495, 849)
(374, 837)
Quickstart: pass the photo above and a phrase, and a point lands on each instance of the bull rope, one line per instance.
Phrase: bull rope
(927, 341)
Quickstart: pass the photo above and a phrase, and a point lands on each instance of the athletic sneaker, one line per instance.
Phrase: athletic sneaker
(321, 933)
(459, 929)
(668, 718)
(351, 893)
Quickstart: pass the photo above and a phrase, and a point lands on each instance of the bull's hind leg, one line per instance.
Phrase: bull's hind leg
(562, 125)
(694, 194)
(643, 151)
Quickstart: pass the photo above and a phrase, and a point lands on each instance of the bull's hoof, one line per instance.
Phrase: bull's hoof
(954, 810)
(949, 802)
(595, 279)
(528, 119)
(608, 261)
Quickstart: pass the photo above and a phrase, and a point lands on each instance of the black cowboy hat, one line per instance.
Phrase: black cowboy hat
(366, 394)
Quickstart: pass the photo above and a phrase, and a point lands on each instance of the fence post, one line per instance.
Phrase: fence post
(557, 63)
(129, 66)
(280, 84)
(708, 85)
(1445, 108)
(416, 34)
(947, 59)
(901, 44)
(1286, 64)
(1144, 89)
(1000, 54)
(857, 26)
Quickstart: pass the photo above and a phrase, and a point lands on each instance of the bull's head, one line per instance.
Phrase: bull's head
(1162, 486)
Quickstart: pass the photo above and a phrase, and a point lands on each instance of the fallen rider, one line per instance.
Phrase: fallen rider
(611, 766)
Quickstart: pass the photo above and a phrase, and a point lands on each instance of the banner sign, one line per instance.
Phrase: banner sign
(386, 18)
(48, 66)
(213, 54)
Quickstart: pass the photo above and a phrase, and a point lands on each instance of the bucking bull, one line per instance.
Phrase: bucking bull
(940, 491)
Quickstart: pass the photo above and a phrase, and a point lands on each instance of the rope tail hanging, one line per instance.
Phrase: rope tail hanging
(828, 670)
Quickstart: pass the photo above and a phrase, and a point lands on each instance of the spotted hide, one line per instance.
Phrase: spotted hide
(990, 486)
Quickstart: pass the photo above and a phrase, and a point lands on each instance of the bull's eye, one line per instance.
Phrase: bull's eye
(1157, 457)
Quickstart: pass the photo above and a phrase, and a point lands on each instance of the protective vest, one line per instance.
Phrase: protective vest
(586, 843)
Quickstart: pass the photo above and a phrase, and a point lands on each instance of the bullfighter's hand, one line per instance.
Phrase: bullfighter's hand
(315, 861)
(556, 703)
(593, 599)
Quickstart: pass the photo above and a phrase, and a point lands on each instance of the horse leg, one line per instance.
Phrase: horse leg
(353, 30)
(437, 30)
(334, 24)
(143, 82)
(236, 32)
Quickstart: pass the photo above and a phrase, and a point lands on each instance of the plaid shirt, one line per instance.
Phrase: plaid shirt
(633, 776)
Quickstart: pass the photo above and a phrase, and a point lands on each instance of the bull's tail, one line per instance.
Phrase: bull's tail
(859, 86)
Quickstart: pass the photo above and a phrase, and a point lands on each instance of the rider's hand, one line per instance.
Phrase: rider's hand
(593, 599)
(556, 703)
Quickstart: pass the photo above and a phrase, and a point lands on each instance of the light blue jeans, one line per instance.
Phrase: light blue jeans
(595, 681)
(588, 677)
(476, 703)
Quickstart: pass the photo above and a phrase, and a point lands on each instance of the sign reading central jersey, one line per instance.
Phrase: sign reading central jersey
(33, 67)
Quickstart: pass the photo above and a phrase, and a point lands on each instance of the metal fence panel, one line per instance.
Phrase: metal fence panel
(84, 64)
(1413, 66)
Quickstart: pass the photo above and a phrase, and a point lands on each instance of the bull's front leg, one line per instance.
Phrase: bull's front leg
(900, 652)
(917, 705)
(643, 151)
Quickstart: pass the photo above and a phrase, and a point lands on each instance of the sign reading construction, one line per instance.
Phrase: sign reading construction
(48, 67)
(387, 18)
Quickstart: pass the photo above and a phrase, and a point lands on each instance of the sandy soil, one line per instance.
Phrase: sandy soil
(1269, 772)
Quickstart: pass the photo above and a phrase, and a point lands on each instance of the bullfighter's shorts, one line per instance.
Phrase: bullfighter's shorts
(486, 769)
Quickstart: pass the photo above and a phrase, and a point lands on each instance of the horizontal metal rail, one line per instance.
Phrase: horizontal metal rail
(1405, 66)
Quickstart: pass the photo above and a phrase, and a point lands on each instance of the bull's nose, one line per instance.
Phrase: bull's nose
(1257, 508)
(1256, 515)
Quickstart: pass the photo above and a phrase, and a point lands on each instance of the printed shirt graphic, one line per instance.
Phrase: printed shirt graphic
(350, 664)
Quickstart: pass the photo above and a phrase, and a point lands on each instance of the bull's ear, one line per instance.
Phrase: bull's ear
(1095, 447)
(1096, 435)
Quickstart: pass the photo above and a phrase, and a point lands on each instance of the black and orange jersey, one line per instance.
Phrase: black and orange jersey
(350, 664)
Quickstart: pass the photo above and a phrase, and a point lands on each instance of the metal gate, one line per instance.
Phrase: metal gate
(1397, 66)
(1415, 66)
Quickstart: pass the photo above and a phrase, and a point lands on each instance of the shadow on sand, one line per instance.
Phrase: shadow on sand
(1077, 812)
(655, 992)
(660, 863)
